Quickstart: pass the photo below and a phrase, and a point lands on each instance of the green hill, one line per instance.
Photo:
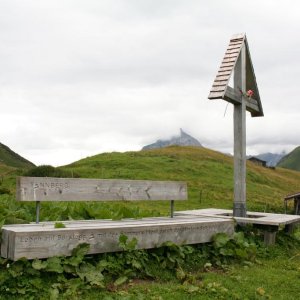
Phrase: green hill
(291, 160)
(10, 158)
(209, 175)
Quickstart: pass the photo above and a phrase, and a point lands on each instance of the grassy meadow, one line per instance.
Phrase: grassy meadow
(230, 269)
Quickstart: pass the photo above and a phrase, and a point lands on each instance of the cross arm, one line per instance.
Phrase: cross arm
(233, 96)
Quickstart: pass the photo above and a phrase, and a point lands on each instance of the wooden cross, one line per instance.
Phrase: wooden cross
(244, 96)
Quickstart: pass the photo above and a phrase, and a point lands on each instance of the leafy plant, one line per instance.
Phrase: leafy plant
(171, 256)
(225, 249)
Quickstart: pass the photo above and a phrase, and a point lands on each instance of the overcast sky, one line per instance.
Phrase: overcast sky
(78, 78)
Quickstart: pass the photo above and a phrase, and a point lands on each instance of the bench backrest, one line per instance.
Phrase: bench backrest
(74, 189)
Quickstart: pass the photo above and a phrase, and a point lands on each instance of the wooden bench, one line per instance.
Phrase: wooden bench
(269, 223)
(40, 189)
(43, 239)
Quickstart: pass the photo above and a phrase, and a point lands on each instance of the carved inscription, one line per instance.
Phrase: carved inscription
(93, 235)
(50, 185)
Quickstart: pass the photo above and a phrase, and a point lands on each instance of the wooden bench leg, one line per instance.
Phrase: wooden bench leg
(172, 209)
(289, 228)
(37, 210)
(270, 235)
(269, 238)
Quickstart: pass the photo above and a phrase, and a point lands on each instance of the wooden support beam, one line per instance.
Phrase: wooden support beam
(239, 206)
(234, 96)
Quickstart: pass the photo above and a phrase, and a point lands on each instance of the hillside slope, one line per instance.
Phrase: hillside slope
(209, 175)
(10, 158)
(291, 160)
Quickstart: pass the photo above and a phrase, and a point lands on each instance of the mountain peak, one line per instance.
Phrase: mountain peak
(183, 139)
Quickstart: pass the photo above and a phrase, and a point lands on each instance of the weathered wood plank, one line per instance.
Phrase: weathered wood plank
(220, 83)
(224, 72)
(291, 196)
(238, 36)
(215, 95)
(43, 243)
(234, 51)
(227, 64)
(218, 88)
(223, 78)
(261, 218)
(225, 68)
(74, 189)
(237, 40)
(231, 56)
(235, 45)
(106, 223)
(228, 60)
(235, 48)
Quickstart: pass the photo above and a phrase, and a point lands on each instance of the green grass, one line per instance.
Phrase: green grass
(209, 175)
(274, 275)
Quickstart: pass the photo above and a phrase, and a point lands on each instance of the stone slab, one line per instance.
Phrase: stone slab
(43, 240)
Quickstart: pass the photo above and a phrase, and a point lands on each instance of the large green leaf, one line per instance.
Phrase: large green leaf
(54, 264)
(38, 264)
(220, 239)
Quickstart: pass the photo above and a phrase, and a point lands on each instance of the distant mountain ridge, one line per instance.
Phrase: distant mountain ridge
(272, 159)
(183, 139)
(12, 159)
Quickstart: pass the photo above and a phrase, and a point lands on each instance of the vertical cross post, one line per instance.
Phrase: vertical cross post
(239, 118)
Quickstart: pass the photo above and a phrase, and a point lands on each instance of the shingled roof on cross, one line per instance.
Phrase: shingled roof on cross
(221, 89)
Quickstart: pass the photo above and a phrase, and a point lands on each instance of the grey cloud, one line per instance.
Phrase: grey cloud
(79, 78)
